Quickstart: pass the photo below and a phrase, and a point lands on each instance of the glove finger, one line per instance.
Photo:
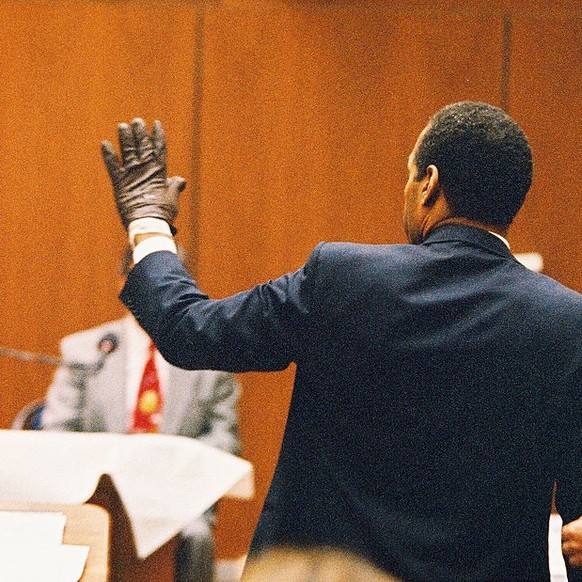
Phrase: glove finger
(159, 139)
(141, 138)
(127, 144)
(110, 158)
(175, 185)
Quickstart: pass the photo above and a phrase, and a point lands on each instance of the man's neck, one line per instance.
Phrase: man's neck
(492, 228)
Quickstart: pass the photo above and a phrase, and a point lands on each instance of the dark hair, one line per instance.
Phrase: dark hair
(484, 161)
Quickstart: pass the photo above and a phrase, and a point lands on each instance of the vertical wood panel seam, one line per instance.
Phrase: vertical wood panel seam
(198, 86)
(506, 61)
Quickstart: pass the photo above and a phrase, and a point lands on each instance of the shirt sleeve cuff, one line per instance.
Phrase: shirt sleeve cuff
(152, 245)
(147, 225)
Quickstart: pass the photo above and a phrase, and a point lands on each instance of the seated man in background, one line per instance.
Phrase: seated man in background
(136, 390)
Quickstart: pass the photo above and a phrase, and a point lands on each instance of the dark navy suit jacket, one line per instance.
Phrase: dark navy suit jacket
(437, 398)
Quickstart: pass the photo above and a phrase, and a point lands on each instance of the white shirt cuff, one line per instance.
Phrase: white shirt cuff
(152, 245)
(147, 225)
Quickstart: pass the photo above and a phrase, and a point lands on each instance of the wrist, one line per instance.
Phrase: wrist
(144, 236)
(147, 226)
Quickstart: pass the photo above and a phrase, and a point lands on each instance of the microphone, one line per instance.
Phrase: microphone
(30, 357)
(106, 346)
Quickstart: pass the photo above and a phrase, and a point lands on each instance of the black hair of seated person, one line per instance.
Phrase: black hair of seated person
(291, 564)
(483, 158)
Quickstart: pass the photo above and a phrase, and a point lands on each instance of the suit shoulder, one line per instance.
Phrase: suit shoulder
(206, 376)
(208, 381)
(335, 255)
(548, 290)
(347, 250)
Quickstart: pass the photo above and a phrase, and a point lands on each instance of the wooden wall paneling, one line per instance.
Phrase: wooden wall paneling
(545, 97)
(70, 72)
(308, 115)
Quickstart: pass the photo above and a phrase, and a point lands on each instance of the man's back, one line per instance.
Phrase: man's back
(430, 400)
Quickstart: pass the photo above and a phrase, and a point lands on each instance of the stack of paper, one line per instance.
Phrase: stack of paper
(32, 549)
(557, 565)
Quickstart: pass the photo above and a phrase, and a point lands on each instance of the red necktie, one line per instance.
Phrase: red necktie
(147, 414)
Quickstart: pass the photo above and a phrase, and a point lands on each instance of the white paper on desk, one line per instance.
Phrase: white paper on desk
(164, 481)
(33, 563)
(53, 467)
(32, 527)
(172, 485)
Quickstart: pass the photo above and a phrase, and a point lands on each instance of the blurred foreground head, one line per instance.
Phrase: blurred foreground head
(311, 565)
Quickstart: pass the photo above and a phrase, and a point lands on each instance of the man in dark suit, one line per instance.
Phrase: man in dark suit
(437, 395)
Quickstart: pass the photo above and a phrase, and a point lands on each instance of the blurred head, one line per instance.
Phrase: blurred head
(478, 157)
(286, 564)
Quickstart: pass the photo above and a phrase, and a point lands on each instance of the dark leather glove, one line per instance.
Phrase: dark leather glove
(140, 185)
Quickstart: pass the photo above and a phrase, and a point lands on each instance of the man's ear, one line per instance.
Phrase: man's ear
(431, 187)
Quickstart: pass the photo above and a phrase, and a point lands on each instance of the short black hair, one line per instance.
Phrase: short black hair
(484, 161)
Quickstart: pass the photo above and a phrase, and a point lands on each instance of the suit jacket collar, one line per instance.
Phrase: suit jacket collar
(471, 235)
(178, 399)
(110, 380)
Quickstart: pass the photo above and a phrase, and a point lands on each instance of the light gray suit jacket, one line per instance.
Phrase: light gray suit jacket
(198, 404)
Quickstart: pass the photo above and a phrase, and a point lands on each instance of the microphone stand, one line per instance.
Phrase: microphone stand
(82, 371)
(41, 359)
(24, 356)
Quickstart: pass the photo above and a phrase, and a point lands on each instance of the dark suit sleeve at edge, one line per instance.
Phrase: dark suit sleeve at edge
(569, 480)
(264, 328)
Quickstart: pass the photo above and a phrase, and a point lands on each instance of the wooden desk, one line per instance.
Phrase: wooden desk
(124, 565)
(87, 525)
(103, 525)
(39, 455)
